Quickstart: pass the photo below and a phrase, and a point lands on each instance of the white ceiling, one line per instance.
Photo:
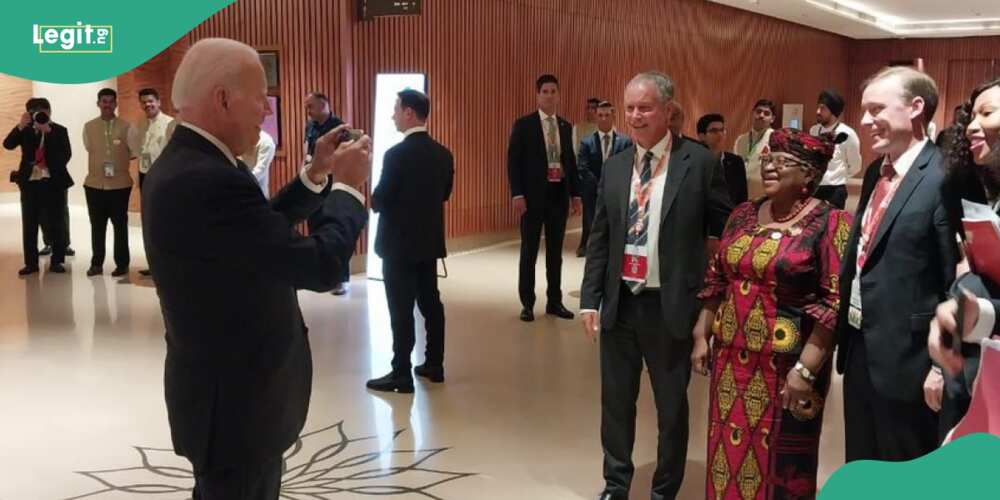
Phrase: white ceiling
(863, 19)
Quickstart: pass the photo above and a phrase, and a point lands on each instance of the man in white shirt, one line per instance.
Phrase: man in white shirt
(846, 161)
(645, 260)
(751, 145)
(150, 136)
(259, 160)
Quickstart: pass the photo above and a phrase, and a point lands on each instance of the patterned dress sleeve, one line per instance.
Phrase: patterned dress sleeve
(832, 247)
(716, 280)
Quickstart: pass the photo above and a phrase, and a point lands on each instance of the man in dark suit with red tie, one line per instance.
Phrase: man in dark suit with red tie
(541, 169)
(595, 149)
(900, 262)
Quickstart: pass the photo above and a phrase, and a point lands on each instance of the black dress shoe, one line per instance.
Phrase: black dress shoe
(46, 250)
(145, 272)
(391, 383)
(607, 495)
(433, 373)
(57, 268)
(581, 252)
(94, 271)
(70, 252)
(527, 315)
(26, 270)
(558, 310)
(119, 271)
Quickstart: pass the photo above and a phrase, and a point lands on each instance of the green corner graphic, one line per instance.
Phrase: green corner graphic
(67, 41)
(964, 469)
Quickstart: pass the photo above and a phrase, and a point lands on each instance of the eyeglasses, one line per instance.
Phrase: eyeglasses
(783, 162)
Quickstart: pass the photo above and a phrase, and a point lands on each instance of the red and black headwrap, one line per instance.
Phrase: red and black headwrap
(812, 150)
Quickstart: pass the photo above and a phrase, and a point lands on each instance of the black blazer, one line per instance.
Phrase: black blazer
(57, 153)
(589, 160)
(227, 264)
(736, 177)
(695, 206)
(527, 165)
(908, 272)
(416, 181)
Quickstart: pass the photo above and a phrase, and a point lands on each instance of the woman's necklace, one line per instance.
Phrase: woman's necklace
(797, 208)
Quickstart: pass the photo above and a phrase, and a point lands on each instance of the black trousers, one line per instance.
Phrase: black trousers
(255, 482)
(878, 428)
(641, 335)
(65, 225)
(588, 194)
(551, 214)
(42, 207)
(406, 283)
(103, 205)
(836, 195)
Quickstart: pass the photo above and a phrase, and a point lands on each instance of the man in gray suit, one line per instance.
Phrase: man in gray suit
(657, 202)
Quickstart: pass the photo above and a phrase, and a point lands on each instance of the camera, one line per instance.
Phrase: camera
(351, 134)
(40, 117)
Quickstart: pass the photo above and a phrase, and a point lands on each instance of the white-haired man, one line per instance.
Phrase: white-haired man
(227, 265)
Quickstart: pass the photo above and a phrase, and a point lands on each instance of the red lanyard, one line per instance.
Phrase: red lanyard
(642, 191)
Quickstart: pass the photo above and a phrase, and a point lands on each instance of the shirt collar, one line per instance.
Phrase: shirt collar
(215, 141)
(824, 130)
(545, 116)
(905, 161)
(658, 150)
(413, 130)
(611, 133)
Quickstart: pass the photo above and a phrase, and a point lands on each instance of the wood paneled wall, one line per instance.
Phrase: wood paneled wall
(956, 64)
(14, 92)
(482, 57)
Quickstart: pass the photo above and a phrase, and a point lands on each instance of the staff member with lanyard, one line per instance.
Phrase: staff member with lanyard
(751, 145)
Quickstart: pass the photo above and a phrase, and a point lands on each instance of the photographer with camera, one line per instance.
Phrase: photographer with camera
(43, 180)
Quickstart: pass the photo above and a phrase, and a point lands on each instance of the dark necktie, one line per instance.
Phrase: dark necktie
(638, 215)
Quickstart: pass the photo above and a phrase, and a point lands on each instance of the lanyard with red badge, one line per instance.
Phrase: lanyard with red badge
(635, 262)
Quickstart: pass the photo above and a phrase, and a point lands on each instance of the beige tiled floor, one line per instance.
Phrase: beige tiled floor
(81, 392)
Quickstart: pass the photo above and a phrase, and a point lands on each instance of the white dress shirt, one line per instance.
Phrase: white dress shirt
(259, 161)
(846, 161)
(655, 207)
(413, 130)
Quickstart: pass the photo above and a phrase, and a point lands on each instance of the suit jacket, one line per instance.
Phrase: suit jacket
(416, 180)
(908, 271)
(227, 264)
(527, 164)
(695, 206)
(590, 161)
(736, 177)
(57, 153)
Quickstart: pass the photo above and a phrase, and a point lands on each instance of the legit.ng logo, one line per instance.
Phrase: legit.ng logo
(73, 39)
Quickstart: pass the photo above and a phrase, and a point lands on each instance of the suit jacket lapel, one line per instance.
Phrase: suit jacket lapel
(625, 176)
(677, 169)
(903, 192)
(539, 133)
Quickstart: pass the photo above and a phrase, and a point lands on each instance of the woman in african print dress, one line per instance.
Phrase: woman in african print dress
(766, 331)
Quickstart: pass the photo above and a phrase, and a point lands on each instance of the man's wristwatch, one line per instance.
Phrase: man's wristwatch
(804, 372)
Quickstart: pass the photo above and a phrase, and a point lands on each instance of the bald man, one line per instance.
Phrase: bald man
(227, 264)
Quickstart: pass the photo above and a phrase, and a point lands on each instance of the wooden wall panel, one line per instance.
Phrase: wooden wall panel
(481, 59)
(14, 92)
(867, 56)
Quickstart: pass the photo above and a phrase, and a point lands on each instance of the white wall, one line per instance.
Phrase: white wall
(72, 106)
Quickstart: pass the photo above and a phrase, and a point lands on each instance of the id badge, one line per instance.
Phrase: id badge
(109, 169)
(854, 312)
(145, 161)
(555, 172)
(635, 263)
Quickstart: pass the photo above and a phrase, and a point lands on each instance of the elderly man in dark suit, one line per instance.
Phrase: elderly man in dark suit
(899, 265)
(595, 149)
(43, 180)
(657, 204)
(227, 265)
(416, 182)
(541, 169)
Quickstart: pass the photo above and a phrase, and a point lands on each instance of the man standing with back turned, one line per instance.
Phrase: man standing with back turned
(227, 265)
